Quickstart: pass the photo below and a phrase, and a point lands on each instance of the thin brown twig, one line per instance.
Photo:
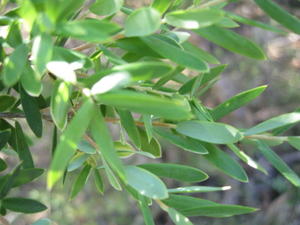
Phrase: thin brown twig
(83, 47)
(107, 119)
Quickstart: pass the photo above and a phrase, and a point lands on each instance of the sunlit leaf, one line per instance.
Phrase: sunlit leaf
(146, 183)
(142, 22)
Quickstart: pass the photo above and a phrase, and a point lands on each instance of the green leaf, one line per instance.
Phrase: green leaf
(42, 222)
(104, 141)
(32, 113)
(112, 179)
(3, 165)
(178, 218)
(13, 65)
(22, 147)
(175, 109)
(14, 37)
(176, 172)
(293, 141)
(227, 23)
(225, 163)
(91, 30)
(278, 163)
(23, 205)
(4, 137)
(148, 218)
(217, 210)
(275, 122)
(148, 126)
(195, 18)
(280, 15)
(177, 55)
(6, 102)
(26, 176)
(68, 141)
(217, 133)
(232, 41)
(200, 53)
(42, 49)
(146, 183)
(145, 70)
(60, 104)
(80, 181)
(86, 147)
(98, 181)
(190, 206)
(180, 202)
(153, 147)
(161, 5)
(71, 57)
(77, 161)
(128, 124)
(247, 159)
(186, 144)
(142, 22)
(236, 102)
(8, 180)
(106, 7)
(198, 189)
(31, 81)
(255, 23)
(213, 74)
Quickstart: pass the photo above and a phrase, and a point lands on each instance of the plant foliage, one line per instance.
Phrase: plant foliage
(121, 74)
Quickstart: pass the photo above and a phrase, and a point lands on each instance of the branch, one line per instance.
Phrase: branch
(107, 119)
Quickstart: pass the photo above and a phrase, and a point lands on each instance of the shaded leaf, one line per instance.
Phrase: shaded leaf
(232, 41)
(182, 142)
(176, 172)
(98, 181)
(278, 163)
(273, 123)
(27, 175)
(128, 124)
(153, 147)
(236, 102)
(22, 147)
(80, 181)
(4, 137)
(23, 205)
(295, 142)
(177, 55)
(32, 113)
(6, 102)
(280, 15)
(225, 163)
